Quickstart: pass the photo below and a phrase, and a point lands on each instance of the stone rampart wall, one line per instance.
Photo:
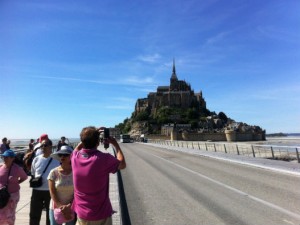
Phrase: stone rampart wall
(157, 136)
(227, 136)
(203, 136)
(244, 136)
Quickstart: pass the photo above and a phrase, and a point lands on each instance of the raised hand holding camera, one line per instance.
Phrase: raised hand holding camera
(104, 136)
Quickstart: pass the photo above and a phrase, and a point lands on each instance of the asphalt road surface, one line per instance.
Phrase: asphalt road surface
(168, 188)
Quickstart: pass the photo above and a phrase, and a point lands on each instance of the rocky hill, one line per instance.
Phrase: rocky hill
(177, 105)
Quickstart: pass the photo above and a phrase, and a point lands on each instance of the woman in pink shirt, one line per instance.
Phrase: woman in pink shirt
(12, 175)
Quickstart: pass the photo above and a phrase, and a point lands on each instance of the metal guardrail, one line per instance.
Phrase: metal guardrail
(286, 153)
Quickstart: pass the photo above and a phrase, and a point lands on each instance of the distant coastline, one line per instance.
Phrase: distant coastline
(290, 139)
(24, 142)
(283, 135)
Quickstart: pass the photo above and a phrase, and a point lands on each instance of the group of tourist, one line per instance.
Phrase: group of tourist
(75, 183)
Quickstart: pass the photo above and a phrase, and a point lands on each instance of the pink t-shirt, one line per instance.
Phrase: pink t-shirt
(16, 176)
(91, 170)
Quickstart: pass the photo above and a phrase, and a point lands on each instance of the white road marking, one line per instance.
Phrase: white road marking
(289, 222)
(271, 205)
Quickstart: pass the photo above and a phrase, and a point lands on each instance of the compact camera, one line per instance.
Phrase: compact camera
(104, 137)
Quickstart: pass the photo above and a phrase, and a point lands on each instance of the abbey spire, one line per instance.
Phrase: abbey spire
(174, 76)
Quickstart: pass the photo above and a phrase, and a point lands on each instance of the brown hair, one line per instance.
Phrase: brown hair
(89, 137)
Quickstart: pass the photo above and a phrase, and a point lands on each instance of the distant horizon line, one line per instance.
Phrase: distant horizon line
(58, 138)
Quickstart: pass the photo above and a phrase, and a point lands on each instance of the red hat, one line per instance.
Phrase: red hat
(43, 137)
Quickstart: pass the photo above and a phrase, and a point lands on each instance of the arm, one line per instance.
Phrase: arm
(33, 167)
(22, 175)
(53, 193)
(79, 146)
(119, 153)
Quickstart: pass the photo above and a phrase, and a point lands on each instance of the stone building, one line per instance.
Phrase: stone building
(167, 129)
(178, 94)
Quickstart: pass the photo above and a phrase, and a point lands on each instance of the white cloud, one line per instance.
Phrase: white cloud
(54, 7)
(150, 58)
(73, 79)
(278, 33)
(131, 80)
(217, 38)
(136, 81)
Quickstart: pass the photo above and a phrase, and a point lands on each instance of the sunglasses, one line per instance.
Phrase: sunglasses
(63, 155)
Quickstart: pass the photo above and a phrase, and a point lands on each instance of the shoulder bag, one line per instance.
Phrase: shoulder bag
(35, 182)
(4, 194)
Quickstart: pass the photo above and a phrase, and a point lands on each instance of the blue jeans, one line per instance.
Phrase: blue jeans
(53, 222)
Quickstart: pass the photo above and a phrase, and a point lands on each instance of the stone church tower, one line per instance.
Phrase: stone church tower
(177, 95)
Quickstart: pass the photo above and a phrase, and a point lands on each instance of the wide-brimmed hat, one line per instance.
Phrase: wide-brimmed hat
(8, 153)
(64, 150)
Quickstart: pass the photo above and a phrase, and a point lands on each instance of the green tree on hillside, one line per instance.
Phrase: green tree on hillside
(223, 117)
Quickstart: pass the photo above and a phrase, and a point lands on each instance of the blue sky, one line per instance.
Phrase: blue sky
(69, 64)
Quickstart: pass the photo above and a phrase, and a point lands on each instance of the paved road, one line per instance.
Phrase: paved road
(168, 187)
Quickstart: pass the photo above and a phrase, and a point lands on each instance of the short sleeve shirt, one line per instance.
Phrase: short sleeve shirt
(91, 169)
(64, 186)
(16, 174)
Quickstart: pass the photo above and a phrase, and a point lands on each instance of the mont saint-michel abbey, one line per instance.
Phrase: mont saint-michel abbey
(180, 95)
(177, 94)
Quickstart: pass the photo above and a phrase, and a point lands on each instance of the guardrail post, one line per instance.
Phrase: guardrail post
(237, 149)
(192, 145)
(215, 147)
(297, 153)
(272, 152)
(253, 151)
(205, 146)
(198, 146)
(225, 148)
